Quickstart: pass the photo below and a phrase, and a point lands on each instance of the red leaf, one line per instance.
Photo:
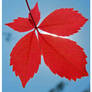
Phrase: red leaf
(26, 57)
(35, 13)
(21, 24)
(63, 22)
(63, 56)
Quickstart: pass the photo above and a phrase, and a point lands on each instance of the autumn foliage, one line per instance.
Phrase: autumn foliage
(64, 57)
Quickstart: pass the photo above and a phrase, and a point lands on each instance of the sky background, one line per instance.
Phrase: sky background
(44, 80)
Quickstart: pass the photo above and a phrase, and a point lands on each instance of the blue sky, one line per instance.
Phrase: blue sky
(44, 80)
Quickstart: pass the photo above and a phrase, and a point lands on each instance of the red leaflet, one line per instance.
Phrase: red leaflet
(63, 56)
(35, 13)
(26, 57)
(63, 22)
(21, 24)
(25, 24)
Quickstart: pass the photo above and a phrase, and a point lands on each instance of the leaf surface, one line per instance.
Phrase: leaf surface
(63, 57)
(63, 22)
(35, 14)
(26, 57)
(21, 24)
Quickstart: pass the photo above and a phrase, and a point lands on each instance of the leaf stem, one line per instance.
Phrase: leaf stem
(31, 14)
(28, 5)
